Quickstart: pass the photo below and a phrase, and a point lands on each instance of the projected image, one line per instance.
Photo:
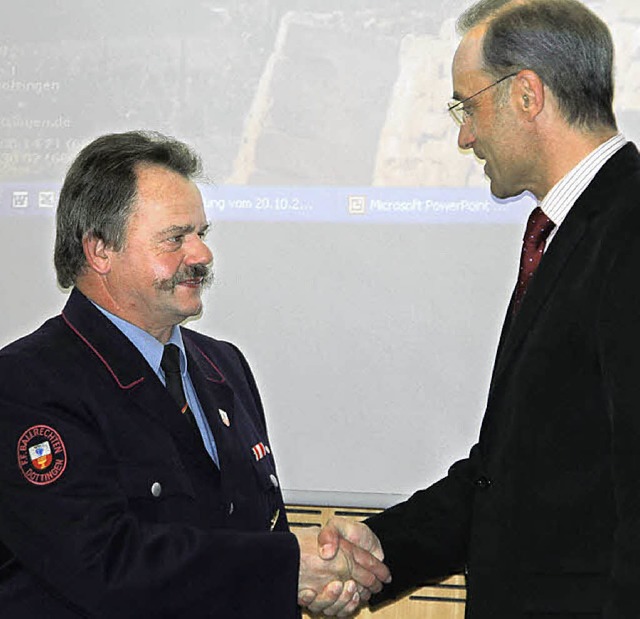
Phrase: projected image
(302, 109)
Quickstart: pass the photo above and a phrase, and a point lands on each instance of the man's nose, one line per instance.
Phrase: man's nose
(466, 136)
(199, 252)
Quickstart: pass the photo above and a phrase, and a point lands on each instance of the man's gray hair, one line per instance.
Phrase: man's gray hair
(562, 41)
(100, 189)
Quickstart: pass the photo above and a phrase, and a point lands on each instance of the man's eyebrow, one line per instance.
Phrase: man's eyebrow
(177, 230)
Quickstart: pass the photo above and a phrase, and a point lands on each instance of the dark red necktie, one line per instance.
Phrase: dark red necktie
(538, 229)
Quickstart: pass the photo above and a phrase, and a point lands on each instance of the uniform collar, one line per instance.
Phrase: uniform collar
(114, 348)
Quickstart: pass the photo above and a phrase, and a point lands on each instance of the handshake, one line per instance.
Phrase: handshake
(340, 567)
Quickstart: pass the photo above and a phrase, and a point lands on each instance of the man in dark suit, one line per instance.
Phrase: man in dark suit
(136, 474)
(544, 514)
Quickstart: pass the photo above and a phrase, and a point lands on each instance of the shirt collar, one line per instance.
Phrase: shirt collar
(563, 195)
(150, 348)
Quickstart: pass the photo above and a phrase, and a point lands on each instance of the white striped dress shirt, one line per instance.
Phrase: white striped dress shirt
(563, 195)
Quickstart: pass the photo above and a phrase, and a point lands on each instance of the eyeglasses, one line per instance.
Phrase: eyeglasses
(456, 108)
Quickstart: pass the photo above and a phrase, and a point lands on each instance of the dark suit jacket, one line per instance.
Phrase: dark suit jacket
(128, 516)
(544, 514)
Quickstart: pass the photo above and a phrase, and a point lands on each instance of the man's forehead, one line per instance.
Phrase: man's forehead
(165, 198)
(150, 176)
(157, 182)
(467, 61)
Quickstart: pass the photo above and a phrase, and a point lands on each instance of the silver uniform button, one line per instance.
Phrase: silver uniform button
(156, 489)
(274, 480)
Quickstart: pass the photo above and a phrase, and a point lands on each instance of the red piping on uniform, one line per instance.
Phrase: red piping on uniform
(104, 361)
(214, 366)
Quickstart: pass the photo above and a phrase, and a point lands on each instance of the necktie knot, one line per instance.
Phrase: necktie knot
(539, 226)
(170, 359)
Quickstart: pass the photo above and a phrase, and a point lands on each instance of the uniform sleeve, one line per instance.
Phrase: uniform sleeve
(66, 517)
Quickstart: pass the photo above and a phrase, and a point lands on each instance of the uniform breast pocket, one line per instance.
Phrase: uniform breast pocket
(264, 467)
(266, 472)
(156, 490)
(269, 487)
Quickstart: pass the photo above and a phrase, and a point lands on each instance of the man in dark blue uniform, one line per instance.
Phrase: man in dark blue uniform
(136, 474)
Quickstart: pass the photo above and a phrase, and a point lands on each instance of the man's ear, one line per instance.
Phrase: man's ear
(530, 93)
(96, 253)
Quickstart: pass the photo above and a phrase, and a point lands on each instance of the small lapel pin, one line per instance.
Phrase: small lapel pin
(224, 417)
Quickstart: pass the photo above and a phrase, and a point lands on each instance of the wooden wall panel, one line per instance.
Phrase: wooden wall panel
(442, 600)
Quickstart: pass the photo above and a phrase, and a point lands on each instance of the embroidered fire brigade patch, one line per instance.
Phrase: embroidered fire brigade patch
(42, 457)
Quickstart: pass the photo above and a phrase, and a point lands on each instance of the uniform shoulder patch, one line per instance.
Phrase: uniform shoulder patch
(42, 457)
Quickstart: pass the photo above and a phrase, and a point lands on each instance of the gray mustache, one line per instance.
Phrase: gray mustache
(192, 272)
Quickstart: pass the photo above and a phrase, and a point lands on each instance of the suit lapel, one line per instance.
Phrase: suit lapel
(569, 236)
(541, 286)
(128, 369)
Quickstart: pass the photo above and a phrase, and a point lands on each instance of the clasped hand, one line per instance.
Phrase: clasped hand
(341, 565)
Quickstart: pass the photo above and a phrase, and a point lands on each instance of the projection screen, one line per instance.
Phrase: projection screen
(361, 263)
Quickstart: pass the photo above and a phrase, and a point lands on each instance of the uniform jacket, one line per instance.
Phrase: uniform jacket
(544, 514)
(109, 504)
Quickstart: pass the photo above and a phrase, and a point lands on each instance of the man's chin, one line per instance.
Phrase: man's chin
(189, 305)
(497, 193)
(191, 313)
(500, 191)
(195, 308)
(494, 187)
